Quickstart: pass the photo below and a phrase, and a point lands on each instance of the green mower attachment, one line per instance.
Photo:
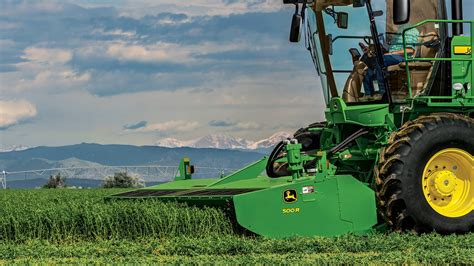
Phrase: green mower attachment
(320, 204)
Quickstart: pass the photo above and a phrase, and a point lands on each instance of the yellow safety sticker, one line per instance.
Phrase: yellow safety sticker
(290, 210)
(464, 50)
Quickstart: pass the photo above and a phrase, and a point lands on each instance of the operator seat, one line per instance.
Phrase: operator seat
(420, 72)
(352, 88)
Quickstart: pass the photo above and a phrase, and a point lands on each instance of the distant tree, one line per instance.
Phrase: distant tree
(122, 180)
(56, 182)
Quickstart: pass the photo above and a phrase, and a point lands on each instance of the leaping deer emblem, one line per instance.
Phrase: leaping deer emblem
(290, 196)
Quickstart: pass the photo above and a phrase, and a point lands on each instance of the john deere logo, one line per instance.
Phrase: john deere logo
(290, 196)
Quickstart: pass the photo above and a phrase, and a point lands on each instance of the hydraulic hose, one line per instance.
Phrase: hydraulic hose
(339, 146)
(278, 148)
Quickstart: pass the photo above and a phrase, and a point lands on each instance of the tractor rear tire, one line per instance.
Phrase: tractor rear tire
(308, 140)
(425, 177)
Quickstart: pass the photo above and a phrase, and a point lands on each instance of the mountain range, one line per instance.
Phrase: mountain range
(96, 155)
(215, 151)
(223, 141)
(90, 157)
(14, 148)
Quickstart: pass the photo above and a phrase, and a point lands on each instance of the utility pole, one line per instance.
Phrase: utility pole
(3, 179)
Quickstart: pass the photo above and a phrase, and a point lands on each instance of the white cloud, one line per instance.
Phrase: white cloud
(235, 126)
(25, 7)
(44, 69)
(168, 127)
(115, 33)
(162, 52)
(47, 56)
(140, 8)
(247, 126)
(64, 83)
(14, 112)
(168, 52)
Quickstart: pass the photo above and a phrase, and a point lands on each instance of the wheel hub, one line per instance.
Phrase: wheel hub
(443, 183)
(448, 182)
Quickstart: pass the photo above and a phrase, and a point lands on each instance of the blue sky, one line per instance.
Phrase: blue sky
(136, 71)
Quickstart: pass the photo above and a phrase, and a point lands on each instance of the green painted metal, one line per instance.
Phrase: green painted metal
(324, 205)
(461, 71)
(185, 184)
(461, 64)
(249, 172)
(294, 158)
(338, 205)
(184, 170)
(372, 115)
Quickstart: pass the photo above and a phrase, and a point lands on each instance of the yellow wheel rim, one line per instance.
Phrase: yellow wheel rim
(448, 182)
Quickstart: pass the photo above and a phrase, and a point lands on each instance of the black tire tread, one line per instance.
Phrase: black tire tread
(392, 158)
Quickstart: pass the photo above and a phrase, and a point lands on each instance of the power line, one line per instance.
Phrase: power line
(150, 173)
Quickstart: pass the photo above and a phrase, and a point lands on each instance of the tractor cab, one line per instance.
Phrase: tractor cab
(360, 54)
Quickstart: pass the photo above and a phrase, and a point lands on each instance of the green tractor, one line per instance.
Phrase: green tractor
(397, 147)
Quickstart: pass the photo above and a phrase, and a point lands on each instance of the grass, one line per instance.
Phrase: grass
(57, 215)
(76, 226)
(393, 248)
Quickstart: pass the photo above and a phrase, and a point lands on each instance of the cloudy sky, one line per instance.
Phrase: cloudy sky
(136, 71)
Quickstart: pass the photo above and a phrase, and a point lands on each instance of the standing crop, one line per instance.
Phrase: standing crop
(71, 214)
(77, 226)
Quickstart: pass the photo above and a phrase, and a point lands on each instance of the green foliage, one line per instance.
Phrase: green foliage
(77, 226)
(122, 180)
(231, 249)
(82, 214)
(56, 181)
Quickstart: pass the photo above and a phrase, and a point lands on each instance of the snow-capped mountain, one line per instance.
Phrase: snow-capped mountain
(223, 141)
(173, 143)
(15, 148)
(269, 142)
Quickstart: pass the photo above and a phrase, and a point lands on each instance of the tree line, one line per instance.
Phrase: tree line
(118, 180)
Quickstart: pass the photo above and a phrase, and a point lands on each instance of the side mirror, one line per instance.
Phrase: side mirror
(401, 11)
(295, 31)
(358, 3)
(342, 20)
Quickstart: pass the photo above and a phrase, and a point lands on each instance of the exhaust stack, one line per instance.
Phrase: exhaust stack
(456, 13)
